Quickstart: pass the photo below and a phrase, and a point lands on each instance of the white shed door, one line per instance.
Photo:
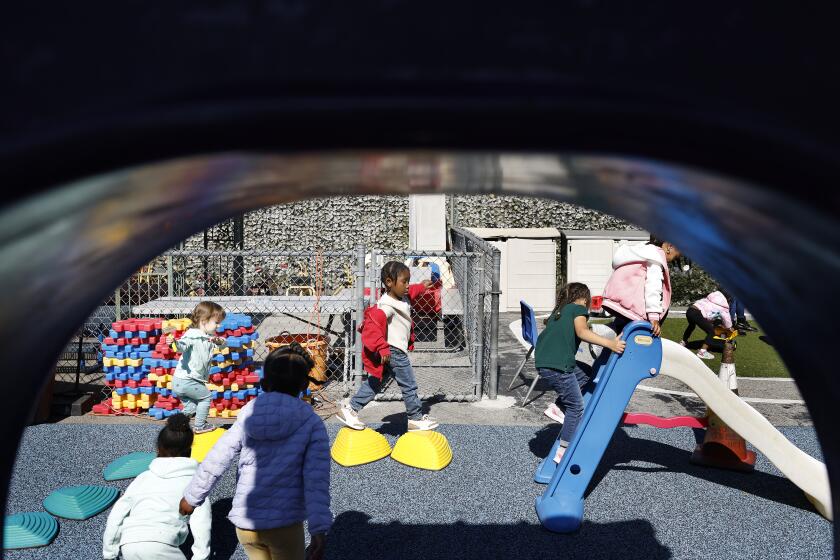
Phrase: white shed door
(531, 273)
(590, 261)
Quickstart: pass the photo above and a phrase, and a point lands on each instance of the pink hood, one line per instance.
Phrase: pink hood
(640, 286)
(713, 306)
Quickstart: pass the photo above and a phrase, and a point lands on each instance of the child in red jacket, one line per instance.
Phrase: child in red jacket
(387, 336)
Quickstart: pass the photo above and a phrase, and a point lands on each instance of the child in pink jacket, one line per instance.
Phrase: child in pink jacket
(640, 286)
(703, 313)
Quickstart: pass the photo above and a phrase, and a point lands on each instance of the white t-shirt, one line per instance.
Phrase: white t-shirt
(399, 321)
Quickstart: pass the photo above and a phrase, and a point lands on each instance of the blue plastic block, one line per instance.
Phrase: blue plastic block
(156, 413)
(249, 352)
(228, 394)
(29, 530)
(219, 358)
(252, 392)
(128, 466)
(109, 377)
(122, 376)
(128, 334)
(110, 348)
(147, 390)
(142, 334)
(113, 334)
(152, 362)
(173, 364)
(143, 348)
(169, 413)
(214, 395)
(215, 369)
(164, 392)
(80, 502)
(132, 391)
(120, 391)
(145, 355)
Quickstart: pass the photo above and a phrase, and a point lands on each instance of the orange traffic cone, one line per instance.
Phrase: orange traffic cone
(722, 448)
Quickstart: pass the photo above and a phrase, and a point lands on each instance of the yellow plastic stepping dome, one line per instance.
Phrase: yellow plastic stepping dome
(358, 447)
(202, 443)
(424, 450)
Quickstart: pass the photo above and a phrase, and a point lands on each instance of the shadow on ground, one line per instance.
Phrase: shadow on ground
(624, 449)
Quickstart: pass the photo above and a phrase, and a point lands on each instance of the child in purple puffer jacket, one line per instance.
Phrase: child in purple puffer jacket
(284, 465)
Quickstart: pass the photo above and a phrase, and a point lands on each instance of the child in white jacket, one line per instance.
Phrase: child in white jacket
(145, 522)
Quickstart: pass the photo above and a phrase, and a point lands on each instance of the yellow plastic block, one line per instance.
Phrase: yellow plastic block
(153, 377)
(211, 413)
(220, 388)
(234, 387)
(129, 397)
(204, 442)
(116, 403)
(169, 385)
(115, 395)
(134, 363)
(144, 405)
(223, 351)
(131, 405)
(424, 450)
(225, 413)
(234, 413)
(358, 447)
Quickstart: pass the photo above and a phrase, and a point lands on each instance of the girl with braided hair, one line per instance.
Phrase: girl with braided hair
(284, 465)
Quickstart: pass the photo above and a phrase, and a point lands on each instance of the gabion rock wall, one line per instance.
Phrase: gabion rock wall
(382, 221)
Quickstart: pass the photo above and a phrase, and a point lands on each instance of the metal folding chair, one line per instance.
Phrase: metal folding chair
(529, 334)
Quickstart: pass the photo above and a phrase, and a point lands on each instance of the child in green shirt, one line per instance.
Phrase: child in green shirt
(555, 357)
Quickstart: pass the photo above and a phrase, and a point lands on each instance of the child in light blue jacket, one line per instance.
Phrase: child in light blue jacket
(196, 347)
(145, 522)
(284, 465)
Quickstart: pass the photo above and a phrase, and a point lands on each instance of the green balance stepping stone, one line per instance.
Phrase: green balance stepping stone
(28, 530)
(128, 466)
(80, 502)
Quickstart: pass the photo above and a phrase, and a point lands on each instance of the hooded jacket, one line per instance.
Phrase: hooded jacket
(640, 285)
(284, 466)
(715, 306)
(377, 337)
(148, 511)
(196, 352)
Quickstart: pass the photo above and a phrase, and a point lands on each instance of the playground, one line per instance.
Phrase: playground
(645, 499)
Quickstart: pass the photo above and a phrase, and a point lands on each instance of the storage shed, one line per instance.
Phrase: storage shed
(587, 254)
(528, 265)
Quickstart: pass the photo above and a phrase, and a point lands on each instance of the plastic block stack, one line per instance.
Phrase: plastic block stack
(126, 351)
(162, 366)
(234, 378)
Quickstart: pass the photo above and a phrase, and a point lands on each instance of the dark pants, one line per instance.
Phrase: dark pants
(569, 386)
(696, 319)
(736, 311)
(620, 321)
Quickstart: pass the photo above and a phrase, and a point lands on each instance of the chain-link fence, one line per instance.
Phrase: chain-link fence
(319, 296)
(479, 281)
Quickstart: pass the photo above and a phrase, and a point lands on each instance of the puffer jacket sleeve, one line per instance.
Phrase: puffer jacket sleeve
(215, 464)
(653, 291)
(316, 478)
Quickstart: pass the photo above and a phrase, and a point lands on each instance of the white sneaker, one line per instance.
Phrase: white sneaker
(558, 456)
(705, 355)
(682, 343)
(425, 423)
(350, 418)
(553, 411)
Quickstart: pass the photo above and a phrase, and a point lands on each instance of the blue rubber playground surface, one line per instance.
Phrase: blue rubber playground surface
(645, 501)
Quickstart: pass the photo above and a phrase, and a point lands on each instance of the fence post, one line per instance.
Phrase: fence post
(169, 276)
(477, 342)
(117, 310)
(360, 313)
(494, 325)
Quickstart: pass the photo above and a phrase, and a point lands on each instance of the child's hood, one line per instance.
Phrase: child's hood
(195, 334)
(276, 416)
(173, 467)
(718, 299)
(646, 252)
(398, 305)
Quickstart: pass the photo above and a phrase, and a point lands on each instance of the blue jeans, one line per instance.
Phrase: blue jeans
(569, 386)
(736, 310)
(195, 396)
(400, 368)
